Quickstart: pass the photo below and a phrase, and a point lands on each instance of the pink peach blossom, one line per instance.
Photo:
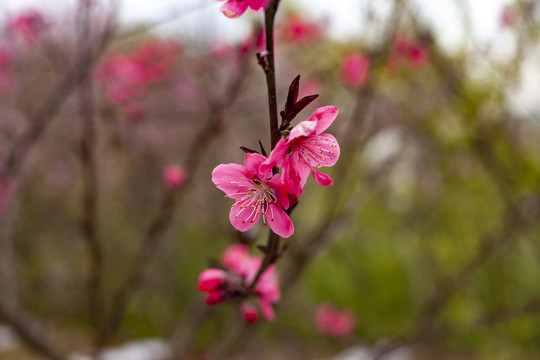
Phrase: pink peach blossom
(258, 194)
(126, 77)
(355, 70)
(298, 30)
(233, 283)
(334, 322)
(234, 8)
(306, 148)
(29, 25)
(407, 53)
(174, 176)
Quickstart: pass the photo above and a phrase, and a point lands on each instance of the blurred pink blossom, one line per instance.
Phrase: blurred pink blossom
(241, 269)
(407, 53)
(126, 77)
(334, 322)
(29, 25)
(174, 176)
(507, 17)
(355, 69)
(234, 8)
(298, 30)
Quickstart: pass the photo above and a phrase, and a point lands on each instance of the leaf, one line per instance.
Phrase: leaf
(248, 150)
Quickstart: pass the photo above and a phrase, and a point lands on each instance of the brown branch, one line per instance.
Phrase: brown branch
(270, 71)
(272, 247)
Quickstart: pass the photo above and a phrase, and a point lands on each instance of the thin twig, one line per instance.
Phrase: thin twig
(89, 220)
(272, 247)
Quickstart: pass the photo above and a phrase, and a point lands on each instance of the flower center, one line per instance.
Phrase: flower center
(257, 198)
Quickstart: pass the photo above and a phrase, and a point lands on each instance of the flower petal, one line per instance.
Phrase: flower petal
(211, 279)
(305, 128)
(322, 178)
(320, 150)
(267, 310)
(295, 173)
(235, 258)
(324, 117)
(252, 163)
(279, 191)
(233, 9)
(277, 156)
(279, 221)
(215, 297)
(231, 179)
(258, 4)
(243, 216)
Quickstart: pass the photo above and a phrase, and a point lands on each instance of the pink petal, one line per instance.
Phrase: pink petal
(235, 258)
(305, 128)
(233, 9)
(252, 163)
(324, 117)
(295, 174)
(258, 4)
(281, 191)
(242, 216)
(215, 297)
(279, 221)
(268, 286)
(267, 310)
(319, 150)
(321, 178)
(277, 155)
(231, 179)
(211, 279)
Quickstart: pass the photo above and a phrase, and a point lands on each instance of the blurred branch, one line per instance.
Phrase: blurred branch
(518, 219)
(11, 165)
(32, 332)
(504, 314)
(89, 220)
(170, 200)
(270, 70)
(28, 328)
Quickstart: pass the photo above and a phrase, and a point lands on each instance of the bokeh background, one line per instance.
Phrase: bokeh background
(428, 239)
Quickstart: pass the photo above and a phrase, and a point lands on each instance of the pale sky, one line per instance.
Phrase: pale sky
(443, 15)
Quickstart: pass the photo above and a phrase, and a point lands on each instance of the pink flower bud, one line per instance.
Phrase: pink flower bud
(215, 297)
(211, 279)
(174, 176)
(250, 313)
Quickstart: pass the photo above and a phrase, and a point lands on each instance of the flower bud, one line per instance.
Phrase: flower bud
(211, 279)
(174, 176)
